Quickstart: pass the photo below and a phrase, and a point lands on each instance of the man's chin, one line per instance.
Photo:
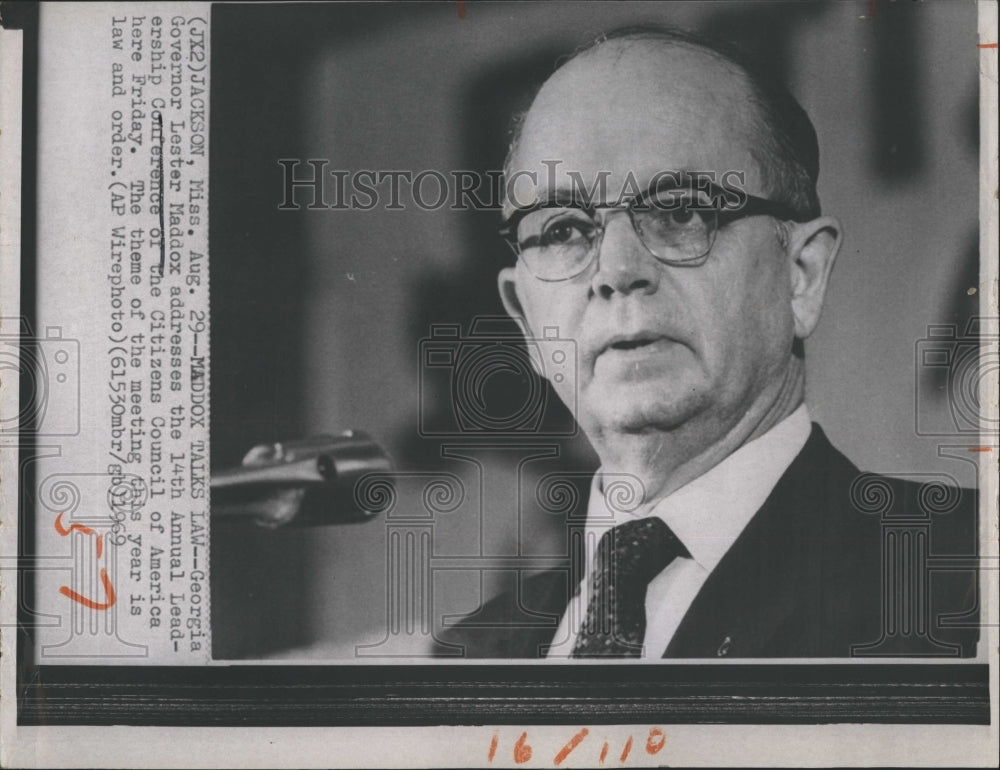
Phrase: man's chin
(635, 410)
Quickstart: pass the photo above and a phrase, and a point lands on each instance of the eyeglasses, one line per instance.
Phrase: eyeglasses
(558, 238)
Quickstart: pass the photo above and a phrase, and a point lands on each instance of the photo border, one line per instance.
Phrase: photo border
(346, 695)
(354, 695)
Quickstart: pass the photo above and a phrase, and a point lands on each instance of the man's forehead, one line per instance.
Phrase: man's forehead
(636, 108)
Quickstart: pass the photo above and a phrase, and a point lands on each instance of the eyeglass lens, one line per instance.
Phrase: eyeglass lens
(558, 243)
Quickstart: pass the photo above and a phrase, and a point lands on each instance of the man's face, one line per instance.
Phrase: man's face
(658, 346)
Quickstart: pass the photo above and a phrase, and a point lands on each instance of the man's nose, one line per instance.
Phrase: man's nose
(624, 265)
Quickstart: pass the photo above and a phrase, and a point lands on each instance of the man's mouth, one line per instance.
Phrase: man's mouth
(632, 342)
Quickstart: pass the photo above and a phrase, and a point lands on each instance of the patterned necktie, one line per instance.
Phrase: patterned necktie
(628, 557)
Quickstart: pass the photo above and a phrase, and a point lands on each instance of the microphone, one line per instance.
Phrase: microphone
(306, 482)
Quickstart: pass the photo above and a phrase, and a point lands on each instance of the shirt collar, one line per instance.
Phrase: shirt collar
(710, 512)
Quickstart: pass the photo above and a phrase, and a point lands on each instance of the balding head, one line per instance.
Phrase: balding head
(635, 72)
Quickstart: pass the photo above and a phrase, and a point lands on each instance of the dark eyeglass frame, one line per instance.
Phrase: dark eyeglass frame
(728, 205)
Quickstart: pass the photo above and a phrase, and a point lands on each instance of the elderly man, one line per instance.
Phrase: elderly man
(689, 291)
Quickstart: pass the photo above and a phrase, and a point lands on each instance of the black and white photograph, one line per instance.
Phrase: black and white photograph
(601, 239)
(611, 383)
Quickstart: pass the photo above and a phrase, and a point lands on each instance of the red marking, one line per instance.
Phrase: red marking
(654, 748)
(100, 546)
(980, 449)
(573, 743)
(987, 45)
(627, 749)
(461, 8)
(604, 753)
(522, 751)
(72, 527)
(493, 747)
(871, 9)
(90, 603)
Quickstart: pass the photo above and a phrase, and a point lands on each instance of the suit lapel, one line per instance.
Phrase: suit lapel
(545, 594)
(504, 628)
(756, 599)
(759, 600)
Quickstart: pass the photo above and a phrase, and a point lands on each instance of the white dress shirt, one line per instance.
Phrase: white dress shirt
(707, 515)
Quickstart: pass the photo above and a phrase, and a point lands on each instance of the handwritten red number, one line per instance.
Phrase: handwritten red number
(72, 527)
(90, 603)
(68, 592)
(655, 741)
(522, 751)
(627, 749)
(573, 743)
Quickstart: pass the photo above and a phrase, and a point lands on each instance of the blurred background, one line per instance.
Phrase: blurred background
(318, 315)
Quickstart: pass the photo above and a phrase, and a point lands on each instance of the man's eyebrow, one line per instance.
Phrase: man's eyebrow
(573, 195)
(564, 196)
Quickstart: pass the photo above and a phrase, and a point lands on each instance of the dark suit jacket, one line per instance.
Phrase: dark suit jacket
(819, 571)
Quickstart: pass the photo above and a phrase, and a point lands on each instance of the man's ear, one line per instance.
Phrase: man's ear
(812, 250)
(507, 283)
